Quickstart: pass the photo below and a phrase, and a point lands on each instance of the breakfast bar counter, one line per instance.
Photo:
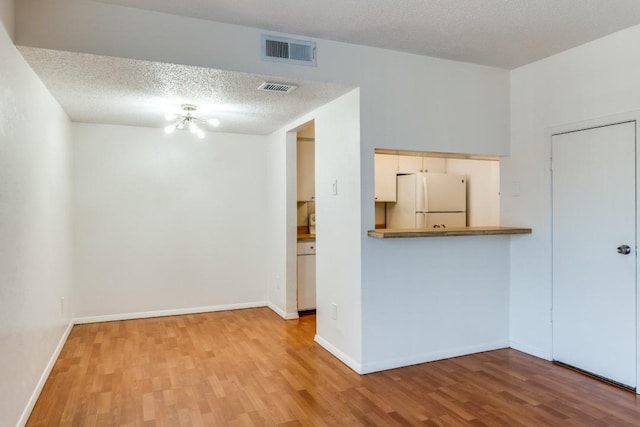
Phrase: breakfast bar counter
(306, 237)
(389, 233)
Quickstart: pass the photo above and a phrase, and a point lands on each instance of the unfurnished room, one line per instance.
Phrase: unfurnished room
(332, 213)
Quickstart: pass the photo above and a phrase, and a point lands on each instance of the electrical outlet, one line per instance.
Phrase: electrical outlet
(334, 187)
(334, 311)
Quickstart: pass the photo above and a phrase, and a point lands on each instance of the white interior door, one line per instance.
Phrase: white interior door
(594, 286)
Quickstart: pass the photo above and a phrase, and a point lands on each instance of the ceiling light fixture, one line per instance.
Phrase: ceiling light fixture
(188, 121)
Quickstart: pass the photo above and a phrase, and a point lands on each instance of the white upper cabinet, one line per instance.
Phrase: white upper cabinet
(409, 164)
(306, 170)
(386, 168)
(434, 164)
(415, 164)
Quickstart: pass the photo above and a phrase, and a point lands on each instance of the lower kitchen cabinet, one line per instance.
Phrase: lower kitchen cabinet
(306, 276)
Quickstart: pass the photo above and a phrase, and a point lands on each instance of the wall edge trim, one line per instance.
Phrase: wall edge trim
(31, 403)
(530, 350)
(351, 363)
(384, 365)
(282, 313)
(171, 312)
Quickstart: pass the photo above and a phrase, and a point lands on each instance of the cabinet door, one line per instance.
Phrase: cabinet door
(434, 164)
(306, 282)
(306, 171)
(386, 168)
(409, 164)
(415, 164)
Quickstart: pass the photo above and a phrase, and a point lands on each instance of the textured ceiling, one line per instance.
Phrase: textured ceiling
(501, 33)
(101, 89)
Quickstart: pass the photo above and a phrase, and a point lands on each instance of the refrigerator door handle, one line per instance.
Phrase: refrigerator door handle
(422, 201)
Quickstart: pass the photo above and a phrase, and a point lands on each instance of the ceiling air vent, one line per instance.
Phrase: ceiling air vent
(292, 51)
(277, 87)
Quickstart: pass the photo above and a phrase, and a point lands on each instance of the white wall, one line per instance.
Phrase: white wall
(7, 16)
(406, 102)
(338, 219)
(337, 141)
(591, 81)
(167, 222)
(445, 297)
(282, 220)
(34, 231)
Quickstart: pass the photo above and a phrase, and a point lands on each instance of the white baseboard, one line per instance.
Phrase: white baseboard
(383, 365)
(533, 351)
(43, 378)
(339, 354)
(280, 312)
(172, 312)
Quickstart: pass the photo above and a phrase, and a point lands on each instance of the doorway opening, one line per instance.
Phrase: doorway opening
(481, 174)
(306, 220)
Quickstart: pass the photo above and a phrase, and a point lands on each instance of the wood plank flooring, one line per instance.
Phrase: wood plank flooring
(251, 368)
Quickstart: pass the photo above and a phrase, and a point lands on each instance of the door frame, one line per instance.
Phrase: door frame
(633, 116)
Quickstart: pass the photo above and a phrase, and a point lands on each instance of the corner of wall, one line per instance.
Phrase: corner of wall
(343, 357)
(24, 417)
(282, 313)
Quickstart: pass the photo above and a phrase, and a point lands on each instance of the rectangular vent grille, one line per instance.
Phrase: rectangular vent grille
(276, 49)
(277, 87)
(292, 51)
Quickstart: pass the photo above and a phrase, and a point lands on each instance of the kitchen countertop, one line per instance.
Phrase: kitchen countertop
(389, 233)
(302, 237)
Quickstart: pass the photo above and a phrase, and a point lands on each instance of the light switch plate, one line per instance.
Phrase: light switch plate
(334, 187)
(515, 188)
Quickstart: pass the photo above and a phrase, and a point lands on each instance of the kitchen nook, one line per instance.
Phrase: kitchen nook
(428, 194)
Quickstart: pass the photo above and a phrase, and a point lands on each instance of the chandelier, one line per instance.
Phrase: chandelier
(188, 121)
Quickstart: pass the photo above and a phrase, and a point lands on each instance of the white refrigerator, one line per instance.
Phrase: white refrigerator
(429, 200)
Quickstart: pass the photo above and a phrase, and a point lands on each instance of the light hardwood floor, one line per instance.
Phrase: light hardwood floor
(251, 368)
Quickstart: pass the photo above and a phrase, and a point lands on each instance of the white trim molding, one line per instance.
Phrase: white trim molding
(282, 313)
(383, 365)
(533, 351)
(24, 417)
(339, 354)
(172, 312)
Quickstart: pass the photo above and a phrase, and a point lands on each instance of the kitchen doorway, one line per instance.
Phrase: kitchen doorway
(594, 251)
(306, 217)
